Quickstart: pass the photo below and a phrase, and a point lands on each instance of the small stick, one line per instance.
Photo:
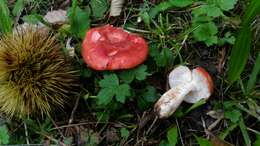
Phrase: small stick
(177, 123)
(149, 129)
(73, 112)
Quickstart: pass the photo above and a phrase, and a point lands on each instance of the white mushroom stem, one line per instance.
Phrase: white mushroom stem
(116, 7)
(171, 100)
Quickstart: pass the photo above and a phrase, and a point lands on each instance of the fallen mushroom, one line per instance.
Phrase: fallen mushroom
(187, 85)
(112, 48)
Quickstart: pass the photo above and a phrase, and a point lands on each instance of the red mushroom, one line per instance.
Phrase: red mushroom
(112, 48)
(187, 85)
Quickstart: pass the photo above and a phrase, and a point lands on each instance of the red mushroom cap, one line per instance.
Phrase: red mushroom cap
(207, 76)
(112, 48)
(203, 85)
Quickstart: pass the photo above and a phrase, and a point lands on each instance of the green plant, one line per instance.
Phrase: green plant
(35, 75)
(202, 141)
(110, 88)
(205, 29)
(98, 7)
(79, 20)
(4, 136)
(6, 21)
(172, 137)
(243, 42)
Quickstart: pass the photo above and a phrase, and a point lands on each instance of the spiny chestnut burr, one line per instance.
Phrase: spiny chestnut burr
(35, 76)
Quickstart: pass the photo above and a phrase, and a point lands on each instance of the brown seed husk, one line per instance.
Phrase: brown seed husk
(34, 74)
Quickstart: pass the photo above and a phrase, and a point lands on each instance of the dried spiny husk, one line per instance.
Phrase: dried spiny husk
(34, 74)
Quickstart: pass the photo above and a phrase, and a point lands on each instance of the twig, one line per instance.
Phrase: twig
(149, 129)
(177, 123)
(53, 122)
(252, 130)
(54, 140)
(86, 123)
(73, 111)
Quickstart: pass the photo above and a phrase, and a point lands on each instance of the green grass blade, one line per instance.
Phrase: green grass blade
(195, 105)
(251, 12)
(253, 76)
(244, 132)
(227, 131)
(5, 21)
(18, 7)
(172, 136)
(239, 54)
(241, 49)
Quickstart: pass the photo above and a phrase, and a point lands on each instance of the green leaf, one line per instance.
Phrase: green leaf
(103, 116)
(33, 18)
(233, 115)
(213, 11)
(159, 8)
(209, 10)
(206, 32)
(6, 21)
(150, 94)
(257, 142)
(138, 73)
(79, 20)
(164, 143)
(141, 72)
(85, 72)
(4, 136)
(18, 7)
(226, 4)
(68, 140)
(181, 3)
(202, 141)
(145, 17)
(122, 91)
(93, 139)
(201, 10)
(105, 96)
(228, 38)
(110, 88)
(109, 80)
(242, 44)
(253, 77)
(99, 7)
(167, 5)
(172, 136)
(229, 105)
(196, 105)
(124, 133)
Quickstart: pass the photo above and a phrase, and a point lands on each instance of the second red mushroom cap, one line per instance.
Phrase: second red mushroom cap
(112, 48)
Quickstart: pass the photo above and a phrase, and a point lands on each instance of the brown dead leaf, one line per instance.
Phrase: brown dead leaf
(215, 141)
